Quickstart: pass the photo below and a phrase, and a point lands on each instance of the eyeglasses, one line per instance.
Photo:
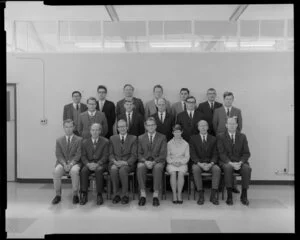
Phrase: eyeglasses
(191, 102)
(151, 125)
(101, 92)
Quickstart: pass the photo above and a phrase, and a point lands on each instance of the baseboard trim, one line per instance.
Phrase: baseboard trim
(253, 182)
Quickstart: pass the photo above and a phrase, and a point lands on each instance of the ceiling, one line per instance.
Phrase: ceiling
(33, 26)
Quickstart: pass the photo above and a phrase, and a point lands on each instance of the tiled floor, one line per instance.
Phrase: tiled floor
(30, 213)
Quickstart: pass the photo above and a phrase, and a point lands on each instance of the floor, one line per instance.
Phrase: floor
(30, 213)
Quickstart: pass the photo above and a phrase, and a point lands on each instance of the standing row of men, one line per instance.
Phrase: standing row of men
(185, 112)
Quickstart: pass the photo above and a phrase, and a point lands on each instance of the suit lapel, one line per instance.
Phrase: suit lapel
(65, 145)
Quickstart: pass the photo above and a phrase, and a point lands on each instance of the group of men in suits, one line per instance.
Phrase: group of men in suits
(98, 117)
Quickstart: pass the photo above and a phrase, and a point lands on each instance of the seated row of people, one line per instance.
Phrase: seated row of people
(149, 152)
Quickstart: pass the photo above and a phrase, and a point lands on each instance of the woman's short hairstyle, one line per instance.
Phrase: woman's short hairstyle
(177, 127)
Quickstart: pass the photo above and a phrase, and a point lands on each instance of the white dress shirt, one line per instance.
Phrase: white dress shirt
(203, 136)
(75, 104)
(95, 140)
(101, 104)
(188, 111)
(91, 114)
(153, 135)
(163, 116)
(232, 135)
(70, 138)
(123, 136)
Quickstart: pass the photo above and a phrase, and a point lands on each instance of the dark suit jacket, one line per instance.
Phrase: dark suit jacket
(136, 127)
(158, 151)
(189, 127)
(150, 108)
(98, 155)
(65, 156)
(110, 112)
(165, 127)
(68, 112)
(234, 153)
(124, 152)
(84, 124)
(220, 118)
(201, 152)
(138, 106)
(204, 108)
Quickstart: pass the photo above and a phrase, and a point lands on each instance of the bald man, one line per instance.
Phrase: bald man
(203, 152)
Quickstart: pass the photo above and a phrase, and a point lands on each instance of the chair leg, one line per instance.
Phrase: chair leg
(189, 187)
(165, 186)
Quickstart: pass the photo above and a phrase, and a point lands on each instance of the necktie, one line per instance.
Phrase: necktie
(161, 117)
(94, 144)
(69, 142)
(232, 139)
(184, 106)
(227, 112)
(151, 139)
(77, 106)
(191, 117)
(212, 107)
(128, 119)
(204, 140)
(122, 140)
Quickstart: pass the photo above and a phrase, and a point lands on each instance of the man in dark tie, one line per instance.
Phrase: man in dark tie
(94, 157)
(122, 161)
(133, 118)
(138, 105)
(234, 154)
(68, 152)
(108, 108)
(73, 110)
(180, 106)
(164, 120)
(152, 154)
(189, 119)
(203, 152)
(207, 109)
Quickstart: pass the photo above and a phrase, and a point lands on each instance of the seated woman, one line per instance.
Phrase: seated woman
(177, 159)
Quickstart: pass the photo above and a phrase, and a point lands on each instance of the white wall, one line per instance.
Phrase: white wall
(261, 82)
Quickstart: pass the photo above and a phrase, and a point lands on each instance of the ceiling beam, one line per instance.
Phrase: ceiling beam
(238, 12)
(40, 42)
(115, 18)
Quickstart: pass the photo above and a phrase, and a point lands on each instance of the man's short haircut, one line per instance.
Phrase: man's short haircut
(98, 124)
(150, 119)
(226, 94)
(162, 99)
(200, 121)
(68, 121)
(158, 86)
(122, 120)
(185, 89)
(76, 92)
(128, 85)
(190, 97)
(211, 89)
(102, 87)
(234, 118)
(177, 127)
(92, 99)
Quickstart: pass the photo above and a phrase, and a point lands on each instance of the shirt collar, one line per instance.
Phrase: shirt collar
(164, 113)
(92, 114)
(97, 139)
(192, 111)
(231, 134)
(74, 105)
(124, 136)
(70, 138)
(228, 108)
(153, 135)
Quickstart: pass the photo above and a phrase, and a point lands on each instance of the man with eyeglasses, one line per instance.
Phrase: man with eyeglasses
(134, 119)
(122, 161)
(89, 117)
(152, 154)
(138, 105)
(108, 108)
(234, 157)
(189, 119)
(208, 107)
(73, 110)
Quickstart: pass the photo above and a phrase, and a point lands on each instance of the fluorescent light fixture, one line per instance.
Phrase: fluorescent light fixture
(114, 44)
(170, 44)
(88, 45)
(250, 44)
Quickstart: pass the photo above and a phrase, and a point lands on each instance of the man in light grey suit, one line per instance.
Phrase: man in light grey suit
(152, 154)
(68, 153)
(151, 106)
(220, 117)
(89, 117)
(221, 114)
(180, 106)
(122, 160)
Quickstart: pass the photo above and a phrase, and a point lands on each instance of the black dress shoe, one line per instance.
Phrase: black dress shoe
(180, 202)
(75, 199)
(56, 199)
(245, 201)
(116, 199)
(142, 201)
(175, 202)
(155, 202)
(99, 199)
(214, 200)
(83, 199)
(201, 198)
(125, 200)
(235, 190)
(229, 201)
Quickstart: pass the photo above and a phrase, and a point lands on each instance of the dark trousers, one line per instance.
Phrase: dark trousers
(245, 172)
(216, 175)
(157, 172)
(118, 174)
(84, 178)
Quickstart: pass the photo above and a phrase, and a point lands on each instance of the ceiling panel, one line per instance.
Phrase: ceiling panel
(272, 28)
